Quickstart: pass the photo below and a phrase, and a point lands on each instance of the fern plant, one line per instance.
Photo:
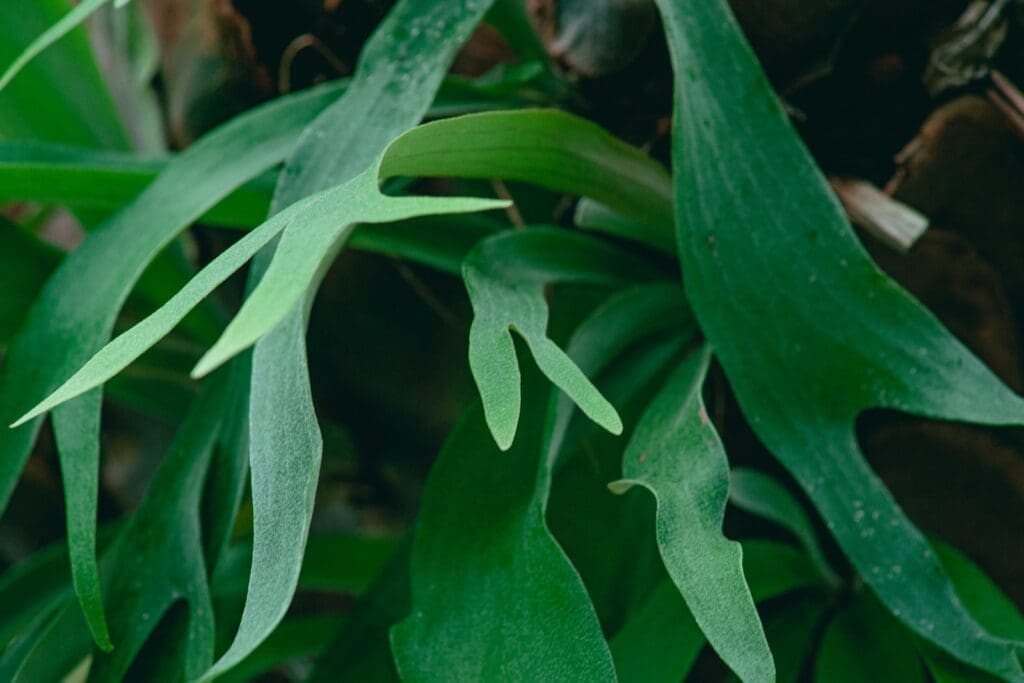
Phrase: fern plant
(571, 528)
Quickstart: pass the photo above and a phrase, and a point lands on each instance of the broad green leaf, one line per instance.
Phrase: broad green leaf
(660, 643)
(545, 147)
(505, 278)
(482, 539)
(864, 643)
(60, 96)
(398, 74)
(75, 313)
(156, 561)
(676, 454)
(78, 14)
(494, 597)
(808, 330)
(759, 494)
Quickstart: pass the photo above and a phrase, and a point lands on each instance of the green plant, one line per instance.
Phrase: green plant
(522, 566)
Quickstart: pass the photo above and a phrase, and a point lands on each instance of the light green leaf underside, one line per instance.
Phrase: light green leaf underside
(761, 495)
(320, 217)
(398, 74)
(808, 330)
(506, 145)
(505, 278)
(661, 641)
(676, 454)
(73, 315)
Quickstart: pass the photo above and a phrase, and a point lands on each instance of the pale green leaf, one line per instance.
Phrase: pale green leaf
(661, 641)
(398, 74)
(676, 454)
(505, 277)
(808, 330)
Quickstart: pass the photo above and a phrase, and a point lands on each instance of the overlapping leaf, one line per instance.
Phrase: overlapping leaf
(662, 640)
(398, 74)
(676, 454)
(808, 330)
(505, 277)
(155, 561)
(483, 543)
(74, 314)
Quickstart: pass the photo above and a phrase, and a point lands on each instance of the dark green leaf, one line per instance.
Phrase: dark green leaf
(863, 643)
(809, 331)
(759, 494)
(482, 544)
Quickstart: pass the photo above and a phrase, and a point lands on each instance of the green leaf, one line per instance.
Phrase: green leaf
(61, 95)
(397, 77)
(759, 494)
(494, 597)
(505, 277)
(482, 538)
(78, 14)
(103, 181)
(864, 643)
(75, 313)
(155, 561)
(676, 454)
(985, 602)
(661, 641)
(316, 219)
(809, 331)
(592, 215)
(545, 147)
(483, 145)
(361, 651)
